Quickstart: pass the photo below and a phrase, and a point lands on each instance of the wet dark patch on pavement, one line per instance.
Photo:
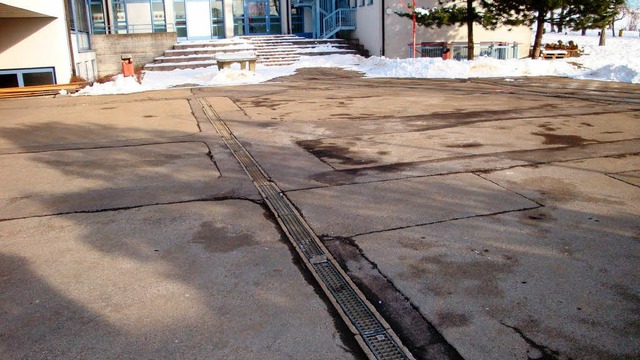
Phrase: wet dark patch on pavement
(567, 140)
(472, 144)
(423, 340)
(332, 151)
(334, 177)
(548, 127)
(451, 319)
(221, 239)
(480, 274)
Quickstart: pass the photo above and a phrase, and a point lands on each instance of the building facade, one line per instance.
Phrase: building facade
(44, 42)
(373, 22)
(48, 41)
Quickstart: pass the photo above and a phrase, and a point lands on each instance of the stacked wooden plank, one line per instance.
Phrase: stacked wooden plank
(39, 90)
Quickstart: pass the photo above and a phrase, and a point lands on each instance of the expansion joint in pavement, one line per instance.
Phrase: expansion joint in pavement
(369, 328)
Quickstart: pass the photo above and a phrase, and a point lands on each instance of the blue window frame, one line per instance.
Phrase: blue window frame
(122, 24)
(27, 77)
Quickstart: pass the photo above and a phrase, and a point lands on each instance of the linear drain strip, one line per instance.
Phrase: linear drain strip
(373, 334)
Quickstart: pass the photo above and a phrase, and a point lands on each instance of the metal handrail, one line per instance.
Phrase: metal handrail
(341, 19)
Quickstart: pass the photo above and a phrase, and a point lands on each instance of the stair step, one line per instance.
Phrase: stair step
(273, 50)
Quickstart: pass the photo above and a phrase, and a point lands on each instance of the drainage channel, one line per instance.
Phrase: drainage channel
(369, 328)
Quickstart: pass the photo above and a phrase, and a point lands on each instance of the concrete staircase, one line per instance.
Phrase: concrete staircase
(273, 50)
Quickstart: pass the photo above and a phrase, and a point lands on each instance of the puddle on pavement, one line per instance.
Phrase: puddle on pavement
(221, 239)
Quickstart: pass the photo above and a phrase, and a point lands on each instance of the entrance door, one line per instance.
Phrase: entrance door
(198, 19)
(256, 17)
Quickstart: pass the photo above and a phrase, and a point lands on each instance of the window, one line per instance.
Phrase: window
(27, 77)
(369, 2)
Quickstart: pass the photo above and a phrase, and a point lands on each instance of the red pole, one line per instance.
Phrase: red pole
(414, 29)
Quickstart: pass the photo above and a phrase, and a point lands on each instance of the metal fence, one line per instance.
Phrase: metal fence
(460, 51)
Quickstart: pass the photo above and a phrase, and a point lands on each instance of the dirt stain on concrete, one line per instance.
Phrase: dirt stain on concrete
(149, 116)
(221, 239)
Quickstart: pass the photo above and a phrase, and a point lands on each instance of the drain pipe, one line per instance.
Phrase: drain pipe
(70, 42)
(384, 19)
(288, 2)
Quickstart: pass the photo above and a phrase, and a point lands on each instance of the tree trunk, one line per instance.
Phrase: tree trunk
(537, 44)
(603, 36)
(561, 20)
(613, 29)
(552, 21)
(583, 32)
(470, 46)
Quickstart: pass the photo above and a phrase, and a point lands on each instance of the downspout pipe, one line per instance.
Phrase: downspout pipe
(69, 39)
(384, 20)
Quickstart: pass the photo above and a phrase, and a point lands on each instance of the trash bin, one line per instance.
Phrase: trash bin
(446, 54)
(127, 65)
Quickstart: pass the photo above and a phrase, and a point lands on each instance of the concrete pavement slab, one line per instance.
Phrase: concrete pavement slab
(200, 280)
(364, 208)
(631, 177)
(558, 280)
(92, 179)
(91, 121)
(474, 139)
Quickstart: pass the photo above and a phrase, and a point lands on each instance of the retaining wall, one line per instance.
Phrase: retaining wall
(142, 47)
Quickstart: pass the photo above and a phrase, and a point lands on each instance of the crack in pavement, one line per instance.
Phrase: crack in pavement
(113, 209)
(450, 220)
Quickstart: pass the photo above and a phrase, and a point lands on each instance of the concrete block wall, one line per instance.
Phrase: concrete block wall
(143, 48)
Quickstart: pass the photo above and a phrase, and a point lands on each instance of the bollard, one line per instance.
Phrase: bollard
(127, 65)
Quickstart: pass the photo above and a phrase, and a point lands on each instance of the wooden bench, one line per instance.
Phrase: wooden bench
(224, 61)
(39, 90)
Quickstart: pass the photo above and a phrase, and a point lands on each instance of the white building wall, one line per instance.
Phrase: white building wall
(369, 26)
(36, 42)
(398, 32)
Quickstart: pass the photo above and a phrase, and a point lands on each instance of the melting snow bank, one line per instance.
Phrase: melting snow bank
(618, 61)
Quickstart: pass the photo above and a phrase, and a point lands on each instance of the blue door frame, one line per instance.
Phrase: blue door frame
(257, 19)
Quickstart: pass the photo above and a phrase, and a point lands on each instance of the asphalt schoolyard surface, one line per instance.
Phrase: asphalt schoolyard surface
(485, 219)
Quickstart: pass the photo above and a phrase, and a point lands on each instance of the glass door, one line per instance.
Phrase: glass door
(256, 13)
(217, 19)
(198, 19)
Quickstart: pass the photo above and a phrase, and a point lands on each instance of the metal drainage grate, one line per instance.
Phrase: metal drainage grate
(373, 334)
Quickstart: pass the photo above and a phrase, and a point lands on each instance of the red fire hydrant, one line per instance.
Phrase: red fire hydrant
(127, 65)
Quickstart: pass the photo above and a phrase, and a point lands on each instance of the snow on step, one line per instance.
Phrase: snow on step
(273, 50)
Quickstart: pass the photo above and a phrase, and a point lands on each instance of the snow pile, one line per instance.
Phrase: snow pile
(619, 61)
